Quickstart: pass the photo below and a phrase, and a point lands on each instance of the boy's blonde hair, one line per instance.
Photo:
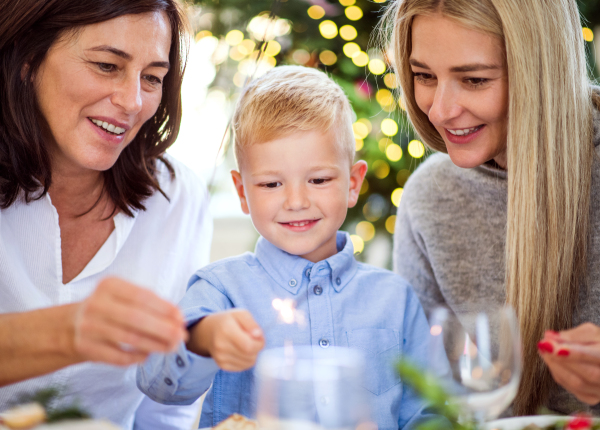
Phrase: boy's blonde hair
(288, 99)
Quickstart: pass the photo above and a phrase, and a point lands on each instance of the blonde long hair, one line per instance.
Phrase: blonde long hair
(550, 153)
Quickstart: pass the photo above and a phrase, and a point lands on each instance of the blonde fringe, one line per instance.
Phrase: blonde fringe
(550, 153)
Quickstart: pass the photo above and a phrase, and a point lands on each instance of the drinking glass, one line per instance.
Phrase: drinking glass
(304, 388)
(478, 356)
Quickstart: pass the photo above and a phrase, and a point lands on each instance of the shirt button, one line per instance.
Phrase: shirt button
(338, 281)
(179, 361)
(318, 290)
(292, 283)
(168, 381)
(307, 273)
(324, 343)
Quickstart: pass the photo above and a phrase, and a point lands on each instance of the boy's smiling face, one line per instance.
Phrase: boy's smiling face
(297, 190)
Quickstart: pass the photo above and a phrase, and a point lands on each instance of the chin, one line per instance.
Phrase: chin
(466, 159)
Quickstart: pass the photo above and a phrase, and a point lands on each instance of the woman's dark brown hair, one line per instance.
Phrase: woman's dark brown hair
(28, 28)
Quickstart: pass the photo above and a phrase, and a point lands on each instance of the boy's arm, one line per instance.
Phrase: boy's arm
(181, 377)
(413, 410)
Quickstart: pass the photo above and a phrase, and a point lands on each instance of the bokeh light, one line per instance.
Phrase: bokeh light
(416, 149)
(348, 32)
(300, 56)
(385, 98)
(347, 2)
(588, 34)
(263, 26)
(396, 196)
(377, 66)
(328, 58)
(367, 123)
(273, 48)
(246, 47)
(381, 169)
(360, 130)
(393, 152)
(390, 224)
(234, 37)
(351, 49)
(359, 144)
(361, 59)
(391, 80)
(357, 243)
(353, 13)
(328, 29)
(389, 127)
(365, 230)
(316, 12)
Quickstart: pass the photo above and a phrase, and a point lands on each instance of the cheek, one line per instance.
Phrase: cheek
(424, 98)
(150, 105)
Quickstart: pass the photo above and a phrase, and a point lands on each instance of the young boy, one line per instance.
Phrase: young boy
(294, 146)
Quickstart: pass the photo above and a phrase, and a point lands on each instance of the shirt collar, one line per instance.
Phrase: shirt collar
(289, 271)
(111, 247)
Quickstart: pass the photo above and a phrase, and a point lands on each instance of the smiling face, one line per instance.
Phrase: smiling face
(461, 84)
(98, 86)
(297, 190)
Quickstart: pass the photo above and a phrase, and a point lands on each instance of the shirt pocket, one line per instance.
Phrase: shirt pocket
(381, 347)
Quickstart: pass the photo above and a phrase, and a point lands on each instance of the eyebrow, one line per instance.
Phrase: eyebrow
(475, 67)
(126, 56)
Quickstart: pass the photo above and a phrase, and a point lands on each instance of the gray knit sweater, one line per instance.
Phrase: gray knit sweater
(450, 236)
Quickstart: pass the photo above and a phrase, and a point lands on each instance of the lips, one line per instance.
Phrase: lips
(300, 225)
(463, 135)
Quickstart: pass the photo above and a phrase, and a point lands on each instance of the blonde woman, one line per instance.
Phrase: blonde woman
(512, 212)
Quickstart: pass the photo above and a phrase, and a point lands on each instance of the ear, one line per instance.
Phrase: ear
(239, 188)
(357, 176)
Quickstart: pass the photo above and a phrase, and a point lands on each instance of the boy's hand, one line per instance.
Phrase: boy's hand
(232, 338)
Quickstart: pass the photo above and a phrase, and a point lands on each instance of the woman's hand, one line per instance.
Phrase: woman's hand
(232, 338)
(121, 324)
(573, 357)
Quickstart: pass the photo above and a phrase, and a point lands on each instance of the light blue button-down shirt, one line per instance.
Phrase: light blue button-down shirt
(346, 303)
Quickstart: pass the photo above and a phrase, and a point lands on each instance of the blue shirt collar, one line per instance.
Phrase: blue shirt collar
(290, 271)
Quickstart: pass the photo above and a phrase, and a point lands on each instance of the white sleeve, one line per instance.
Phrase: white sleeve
(151, 416)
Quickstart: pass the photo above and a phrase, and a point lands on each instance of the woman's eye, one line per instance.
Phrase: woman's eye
(423, 77)
(154, 80)
(475, 82)
(106, 67)
(319, 181)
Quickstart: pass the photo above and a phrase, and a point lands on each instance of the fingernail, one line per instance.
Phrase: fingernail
(257, 332)
(563, 352)
(545, 347)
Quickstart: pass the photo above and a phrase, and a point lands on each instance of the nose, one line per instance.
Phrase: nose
(128, 95)
(296, 198)
(445, 105)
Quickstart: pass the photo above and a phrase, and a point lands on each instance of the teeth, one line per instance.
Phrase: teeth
(108, 127)
(464, 132)
(298, 224)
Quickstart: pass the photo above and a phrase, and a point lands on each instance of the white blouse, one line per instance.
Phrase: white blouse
(159, 248)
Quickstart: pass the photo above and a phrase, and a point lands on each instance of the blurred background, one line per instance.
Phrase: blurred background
(337, 36)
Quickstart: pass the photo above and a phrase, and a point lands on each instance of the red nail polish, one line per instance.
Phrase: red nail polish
(545, 347)
(563, 352)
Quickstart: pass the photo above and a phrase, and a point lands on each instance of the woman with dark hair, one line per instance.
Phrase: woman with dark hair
(91, 208)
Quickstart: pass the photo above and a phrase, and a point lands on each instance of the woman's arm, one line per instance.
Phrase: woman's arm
(120, 324)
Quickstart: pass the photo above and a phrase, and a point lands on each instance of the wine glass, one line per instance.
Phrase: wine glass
(304, 388)
(478, 357)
